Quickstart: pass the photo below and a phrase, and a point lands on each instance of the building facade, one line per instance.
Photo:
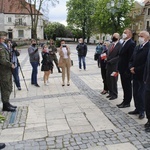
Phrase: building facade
(17, 22)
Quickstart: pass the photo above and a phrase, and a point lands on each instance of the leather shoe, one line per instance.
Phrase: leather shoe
(108, 96)
(141, 116)
(124, 106)
(147, 124)
(9, 108)
(12, 106)
(112, 98)
(134, 112)
(147, 129)
(36, 85)
(119, 104)
(2, 145)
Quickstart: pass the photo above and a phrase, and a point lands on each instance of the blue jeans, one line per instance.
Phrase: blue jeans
(16, 76)
(34, 72)
(82, 59)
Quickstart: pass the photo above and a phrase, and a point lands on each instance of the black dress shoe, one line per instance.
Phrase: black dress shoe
(2, 145)
(135, 112)
(112, 98)
(147, 129)
(147, 124)
(124, 105)
(108, 96)
(36, 85)
(141, 116)
(9, 108)
(12, 105)
(119, 104)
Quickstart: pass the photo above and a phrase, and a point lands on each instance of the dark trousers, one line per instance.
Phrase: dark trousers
(82, 60)
(127, 88)
(34, 72)
(138, 95)
(103, 74)
(147, 101)
(54, 58)
(16, 76)
(112, 84)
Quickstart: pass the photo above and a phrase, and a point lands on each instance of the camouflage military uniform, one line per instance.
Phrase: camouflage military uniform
(5, 74)
(53, 51)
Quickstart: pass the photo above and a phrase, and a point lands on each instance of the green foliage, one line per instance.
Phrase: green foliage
(79, 15)
(114, 19)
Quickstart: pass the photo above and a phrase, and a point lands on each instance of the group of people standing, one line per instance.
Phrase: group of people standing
(132, 62)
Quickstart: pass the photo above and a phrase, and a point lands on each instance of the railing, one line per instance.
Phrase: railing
(20, 24)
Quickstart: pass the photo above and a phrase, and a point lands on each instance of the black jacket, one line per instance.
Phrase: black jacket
(125, 55)
(82, 49)
(138, 61)
(113, 57)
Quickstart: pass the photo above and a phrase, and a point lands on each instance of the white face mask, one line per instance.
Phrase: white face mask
(124, 36)
(141, 40)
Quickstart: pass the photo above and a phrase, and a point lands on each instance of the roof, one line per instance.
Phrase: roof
(15, 7)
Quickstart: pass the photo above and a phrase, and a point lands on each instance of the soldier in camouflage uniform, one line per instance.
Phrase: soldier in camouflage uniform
(5, 74)
(53, 51)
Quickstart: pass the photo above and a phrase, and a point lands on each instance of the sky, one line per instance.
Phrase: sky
(59, 12)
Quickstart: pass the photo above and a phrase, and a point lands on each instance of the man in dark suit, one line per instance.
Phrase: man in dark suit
(147, 92)
(137, 66)
(111, 66)
(123, 67)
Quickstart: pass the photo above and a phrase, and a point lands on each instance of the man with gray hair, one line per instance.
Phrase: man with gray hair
(137, 66)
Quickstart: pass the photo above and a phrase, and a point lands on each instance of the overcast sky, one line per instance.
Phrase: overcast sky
(59, 13)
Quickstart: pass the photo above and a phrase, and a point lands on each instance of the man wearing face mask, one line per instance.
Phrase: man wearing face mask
(125, 55)
(137, 65)
(35, 61)
(111, 66)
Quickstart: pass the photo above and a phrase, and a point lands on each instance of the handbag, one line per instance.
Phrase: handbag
(71, 62)
(96, 56)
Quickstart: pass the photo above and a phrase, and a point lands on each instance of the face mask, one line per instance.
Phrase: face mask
(114, 39)
(33, 44)
(124, 36)
(141, 40)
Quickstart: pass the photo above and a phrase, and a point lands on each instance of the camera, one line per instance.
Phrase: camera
(14, 44)
(63, 45)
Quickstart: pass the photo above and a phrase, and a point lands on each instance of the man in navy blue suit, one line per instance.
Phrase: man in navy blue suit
(147, 92)
(123, 67)
(137, 66)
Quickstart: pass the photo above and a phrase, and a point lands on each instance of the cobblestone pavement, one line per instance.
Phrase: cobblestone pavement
(70, 118)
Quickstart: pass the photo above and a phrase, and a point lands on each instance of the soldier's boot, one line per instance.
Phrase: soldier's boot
(59, 71)
(12, 105)
(7, 107)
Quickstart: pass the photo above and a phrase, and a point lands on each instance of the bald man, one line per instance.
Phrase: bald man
(111, 66)
(137, 66)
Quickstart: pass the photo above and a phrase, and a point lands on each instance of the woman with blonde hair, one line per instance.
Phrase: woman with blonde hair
(64, 62)
(47, 64)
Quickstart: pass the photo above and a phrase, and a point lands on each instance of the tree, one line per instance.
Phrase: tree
(79, 15)
(112, 19)
(35, 8)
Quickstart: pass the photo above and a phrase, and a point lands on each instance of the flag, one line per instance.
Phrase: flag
(114, 74)
(103, 56)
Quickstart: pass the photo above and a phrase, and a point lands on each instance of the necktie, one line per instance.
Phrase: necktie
(123, 43)
(112, 47)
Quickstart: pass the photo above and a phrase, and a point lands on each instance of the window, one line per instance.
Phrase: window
(20, 21)
(20, 33)
(9, 19)
(148, 11)
(147, 24)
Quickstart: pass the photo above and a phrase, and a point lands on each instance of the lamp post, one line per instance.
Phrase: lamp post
(113, 7)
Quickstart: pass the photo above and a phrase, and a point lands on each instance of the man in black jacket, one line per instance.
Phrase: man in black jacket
(147, 92)
(82, 51)
(137, 66)
(111, 66)
(123, 67)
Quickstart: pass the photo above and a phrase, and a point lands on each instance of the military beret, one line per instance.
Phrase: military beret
(3, 33)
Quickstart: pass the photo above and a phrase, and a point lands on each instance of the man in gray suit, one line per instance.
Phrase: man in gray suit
(111, 66)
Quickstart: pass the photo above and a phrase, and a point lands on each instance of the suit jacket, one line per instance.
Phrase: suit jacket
(61, 61)
(113, 57)
(146, 76)
(125, 55)
(138, 61)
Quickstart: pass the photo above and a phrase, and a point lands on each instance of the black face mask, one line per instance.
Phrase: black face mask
(33, 45)
(114, 39)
